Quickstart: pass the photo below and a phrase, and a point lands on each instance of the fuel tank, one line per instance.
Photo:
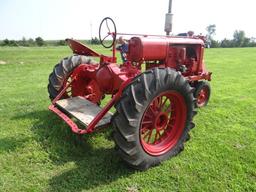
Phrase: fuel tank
(150, 48)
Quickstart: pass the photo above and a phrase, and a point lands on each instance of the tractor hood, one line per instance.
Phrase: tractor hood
(156, 47)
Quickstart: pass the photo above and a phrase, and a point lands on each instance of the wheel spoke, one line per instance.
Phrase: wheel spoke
(107, 26)
(169, 109)
(147, 122)
(105, 37)
(159, 102)
(148, 116)
(148, 135)
(163, 104)
(156, 104)
(156, 136)
(152, 111)
(144, 129)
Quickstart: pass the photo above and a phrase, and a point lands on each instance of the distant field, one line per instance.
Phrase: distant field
(38, 152)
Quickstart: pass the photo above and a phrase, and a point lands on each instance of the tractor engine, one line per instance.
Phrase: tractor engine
(178, 53)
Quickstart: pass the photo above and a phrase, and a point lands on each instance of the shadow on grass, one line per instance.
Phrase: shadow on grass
(9, 144)
(83, 163)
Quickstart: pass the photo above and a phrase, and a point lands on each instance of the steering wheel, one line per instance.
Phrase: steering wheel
(107, 35)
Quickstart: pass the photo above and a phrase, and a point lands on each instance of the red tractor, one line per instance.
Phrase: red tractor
(154, 92)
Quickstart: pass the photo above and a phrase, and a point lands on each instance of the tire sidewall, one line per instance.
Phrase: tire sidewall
(174, 150)
(188, 99)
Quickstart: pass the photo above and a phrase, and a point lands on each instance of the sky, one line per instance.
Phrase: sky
(80, 19)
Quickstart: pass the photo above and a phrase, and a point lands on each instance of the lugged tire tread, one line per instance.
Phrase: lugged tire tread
(125, 122)
(61, 72)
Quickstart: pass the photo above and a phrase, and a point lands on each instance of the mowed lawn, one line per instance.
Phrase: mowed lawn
(38, 152)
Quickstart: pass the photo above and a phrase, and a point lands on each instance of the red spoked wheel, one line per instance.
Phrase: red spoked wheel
(70, 70)
(81, 85)
(162, 123)
(202, 93)
(153, 118)
(66, 82)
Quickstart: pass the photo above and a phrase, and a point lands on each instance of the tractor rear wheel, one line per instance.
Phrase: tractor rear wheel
(153, 118)
(62, 71)
(202, 93)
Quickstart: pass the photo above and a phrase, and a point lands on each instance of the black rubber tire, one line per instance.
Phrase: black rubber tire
(130, 109)
(198, 87)
(62, 71)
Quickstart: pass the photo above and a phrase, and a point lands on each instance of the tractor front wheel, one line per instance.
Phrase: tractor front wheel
(153, 118)
(202, 93)
(62, 72)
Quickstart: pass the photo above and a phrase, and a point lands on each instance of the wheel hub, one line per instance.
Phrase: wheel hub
(202, 97)
(161, 121)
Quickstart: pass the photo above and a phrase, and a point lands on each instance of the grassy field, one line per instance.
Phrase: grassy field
(38, 152)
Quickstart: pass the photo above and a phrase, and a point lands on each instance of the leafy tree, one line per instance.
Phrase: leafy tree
(211, 30)
(23, 42)
(239, 38)
(31, 42)
(39, 41)
(252, 42)
(227, 43)
(215, 44)
(61, 42)
(95, 41)
(6, 42)
(246, 42)
(13, 43)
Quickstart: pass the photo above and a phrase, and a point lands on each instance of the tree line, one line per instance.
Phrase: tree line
(24, 42)
(239, 39)
(39, 41)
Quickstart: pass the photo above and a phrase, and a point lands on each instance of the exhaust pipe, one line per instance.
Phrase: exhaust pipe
(168, 19)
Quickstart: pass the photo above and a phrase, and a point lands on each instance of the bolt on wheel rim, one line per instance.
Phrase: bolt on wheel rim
(163, 122)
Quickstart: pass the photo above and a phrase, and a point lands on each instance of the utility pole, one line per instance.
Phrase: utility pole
(91, 31)
(168, 19)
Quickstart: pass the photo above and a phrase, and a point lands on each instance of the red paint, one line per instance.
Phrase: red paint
(202, 97)
(161, 127)
(93, 81)
(91, 126)
(63, 116)
(81, 49)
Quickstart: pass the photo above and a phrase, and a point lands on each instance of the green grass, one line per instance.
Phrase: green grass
(38, 152)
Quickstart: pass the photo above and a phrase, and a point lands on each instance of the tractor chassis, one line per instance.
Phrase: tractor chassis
(91, 127)
(121, 77)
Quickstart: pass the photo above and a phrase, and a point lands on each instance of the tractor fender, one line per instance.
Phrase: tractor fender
(81, 49)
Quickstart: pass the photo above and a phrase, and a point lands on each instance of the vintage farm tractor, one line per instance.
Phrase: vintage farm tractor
(155, 92)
